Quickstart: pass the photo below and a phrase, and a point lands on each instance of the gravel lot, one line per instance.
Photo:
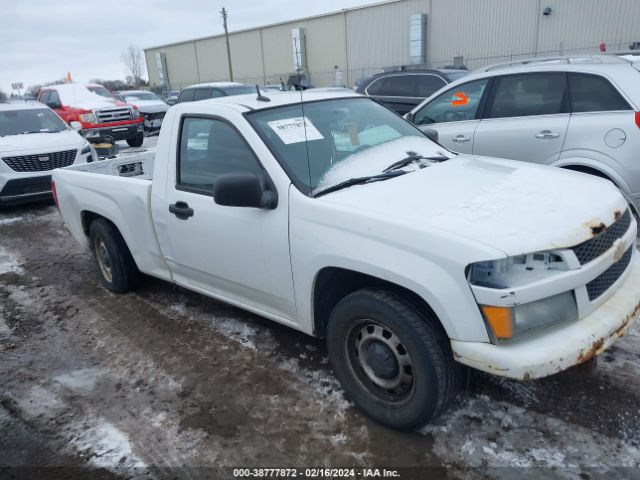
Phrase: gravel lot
(165, 383)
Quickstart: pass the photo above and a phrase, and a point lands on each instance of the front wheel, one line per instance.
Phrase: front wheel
(391, 358)
(136, 141)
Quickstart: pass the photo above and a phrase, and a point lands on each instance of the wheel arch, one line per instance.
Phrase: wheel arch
(332, 284)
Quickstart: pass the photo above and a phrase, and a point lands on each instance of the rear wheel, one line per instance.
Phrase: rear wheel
(391, 358)
(117, 269)
(136, 141)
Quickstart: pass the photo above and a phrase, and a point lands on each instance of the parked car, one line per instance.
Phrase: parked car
(34, 141)
(98, 112)
(172, 97)
(346, 222)
(401, 91)
(150, 106)
(203, 91)
(579, 113)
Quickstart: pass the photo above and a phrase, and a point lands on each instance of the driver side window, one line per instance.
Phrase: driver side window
(455, 105)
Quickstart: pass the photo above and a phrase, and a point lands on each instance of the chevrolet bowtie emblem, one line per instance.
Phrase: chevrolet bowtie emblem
(44, 158)
(618, 253)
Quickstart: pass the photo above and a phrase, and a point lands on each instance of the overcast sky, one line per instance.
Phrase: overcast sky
(42, 40)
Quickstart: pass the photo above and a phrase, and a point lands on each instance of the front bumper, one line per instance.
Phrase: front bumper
(565, 346)
(121, 132)
(29, 189)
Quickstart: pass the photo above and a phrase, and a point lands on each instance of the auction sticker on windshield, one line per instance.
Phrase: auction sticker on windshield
(295, 130)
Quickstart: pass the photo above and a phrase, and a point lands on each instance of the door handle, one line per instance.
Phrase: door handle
(460, 139)
(547, 134)
(181, 210)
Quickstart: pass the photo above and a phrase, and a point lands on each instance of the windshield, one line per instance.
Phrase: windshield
(129, 97)
(41, 120)
(100, 90)
(343, 139)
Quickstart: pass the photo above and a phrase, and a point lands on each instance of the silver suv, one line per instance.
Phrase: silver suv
(577, 113)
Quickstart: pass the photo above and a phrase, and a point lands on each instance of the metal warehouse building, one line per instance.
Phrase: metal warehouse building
(340, 47)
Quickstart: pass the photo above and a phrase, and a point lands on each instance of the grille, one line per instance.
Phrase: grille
(107, 115)
(593, 248)
(602, 282)
(153, 116)
(41, 162)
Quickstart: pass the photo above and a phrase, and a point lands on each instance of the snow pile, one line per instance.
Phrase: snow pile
(109, 447)
(8, 262)
(484, 432)
(374, 160)
(12, 220)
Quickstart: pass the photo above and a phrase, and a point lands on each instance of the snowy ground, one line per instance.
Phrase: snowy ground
(164, 383)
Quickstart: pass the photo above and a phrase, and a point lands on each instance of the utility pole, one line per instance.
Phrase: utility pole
(226, 36)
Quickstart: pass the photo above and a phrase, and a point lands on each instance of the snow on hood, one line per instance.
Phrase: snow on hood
(374, 160)
(514, 206)
(40, 141)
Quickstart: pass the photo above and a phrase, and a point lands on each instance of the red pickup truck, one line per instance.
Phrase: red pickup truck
(97, 112)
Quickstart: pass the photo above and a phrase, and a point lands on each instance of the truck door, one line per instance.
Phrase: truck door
(239, 254)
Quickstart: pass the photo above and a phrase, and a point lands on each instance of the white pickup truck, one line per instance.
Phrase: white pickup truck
(338, 218)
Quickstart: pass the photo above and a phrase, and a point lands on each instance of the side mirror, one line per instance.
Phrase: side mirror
(431, 134)
(243, 190)
(409, 117)
(77, 126)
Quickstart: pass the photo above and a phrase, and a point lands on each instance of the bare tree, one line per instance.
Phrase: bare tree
(134, 61)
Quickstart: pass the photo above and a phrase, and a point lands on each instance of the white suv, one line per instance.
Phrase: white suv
(33, 142)
(578, 113)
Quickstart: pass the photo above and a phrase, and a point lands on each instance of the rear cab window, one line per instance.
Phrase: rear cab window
(202, 93)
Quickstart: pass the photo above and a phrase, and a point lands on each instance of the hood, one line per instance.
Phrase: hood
(514, 206)
(150, 106)
(40, 141)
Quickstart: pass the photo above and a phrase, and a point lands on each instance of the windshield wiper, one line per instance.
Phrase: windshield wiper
(359, 181)
(412, 158)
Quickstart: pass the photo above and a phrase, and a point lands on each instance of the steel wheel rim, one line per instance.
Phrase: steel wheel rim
(360, 338)
(104, 260)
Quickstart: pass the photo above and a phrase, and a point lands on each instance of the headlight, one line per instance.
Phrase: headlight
(505, 323)
(86, 148)
(87, 117)
(136, 113)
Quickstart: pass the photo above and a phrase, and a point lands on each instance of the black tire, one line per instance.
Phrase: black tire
(136, 141)
(116, 267)
(434, 377)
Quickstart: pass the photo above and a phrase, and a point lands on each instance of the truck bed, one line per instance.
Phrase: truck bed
(118, 190)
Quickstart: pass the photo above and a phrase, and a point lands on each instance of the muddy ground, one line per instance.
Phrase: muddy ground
(165, 383)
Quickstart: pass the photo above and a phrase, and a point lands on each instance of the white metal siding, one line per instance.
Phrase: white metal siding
(361, 41)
